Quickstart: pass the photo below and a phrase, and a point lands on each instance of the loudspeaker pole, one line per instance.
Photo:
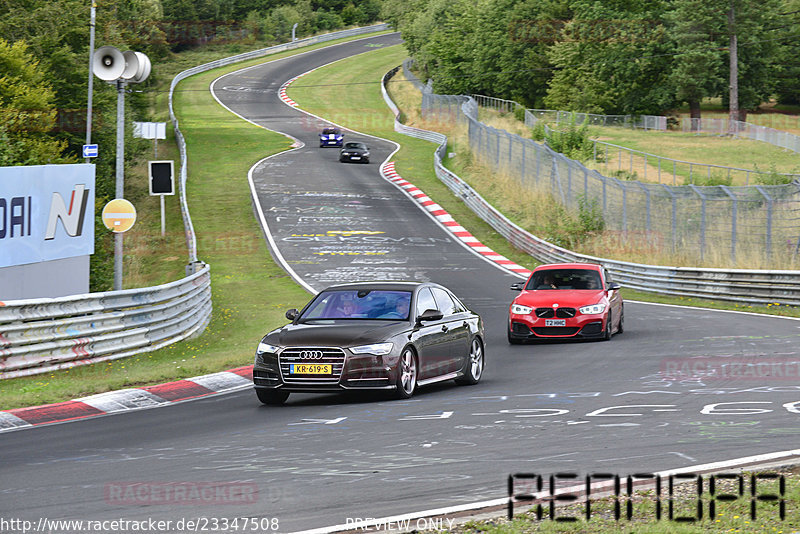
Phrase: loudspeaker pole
(113, 66)
(120, 185)
(91, 78)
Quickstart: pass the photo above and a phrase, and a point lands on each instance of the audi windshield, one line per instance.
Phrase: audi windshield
(358, 304)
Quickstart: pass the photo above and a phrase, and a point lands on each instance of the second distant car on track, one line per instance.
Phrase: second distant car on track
(354, 151)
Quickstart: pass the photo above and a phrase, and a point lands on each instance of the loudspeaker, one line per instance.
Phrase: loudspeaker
(137, 67)
(144, 68)
(131, 65)
(108, 63)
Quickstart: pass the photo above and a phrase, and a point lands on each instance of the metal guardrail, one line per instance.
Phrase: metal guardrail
(735, 285)
(43, 335)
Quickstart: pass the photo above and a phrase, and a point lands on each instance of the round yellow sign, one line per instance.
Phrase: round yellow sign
(119, 215)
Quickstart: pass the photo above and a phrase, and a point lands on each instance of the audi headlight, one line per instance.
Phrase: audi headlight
(519, 309)
(378, 349)
(266, 347)
(366, 153)
(594, 309)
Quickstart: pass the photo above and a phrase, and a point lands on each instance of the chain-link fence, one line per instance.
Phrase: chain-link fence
(772, 136)
(725, 224)
(635, 164)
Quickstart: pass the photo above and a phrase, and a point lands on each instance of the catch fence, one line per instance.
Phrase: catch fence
(701, 224)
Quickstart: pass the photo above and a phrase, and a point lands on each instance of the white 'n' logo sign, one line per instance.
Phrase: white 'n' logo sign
(71, 218)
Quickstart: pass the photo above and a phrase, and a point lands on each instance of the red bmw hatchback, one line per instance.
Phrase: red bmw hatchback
(566, 300)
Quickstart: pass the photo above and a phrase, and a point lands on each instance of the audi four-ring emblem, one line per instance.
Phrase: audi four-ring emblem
(311, 354)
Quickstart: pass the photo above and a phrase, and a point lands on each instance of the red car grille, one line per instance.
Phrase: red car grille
(564, 313)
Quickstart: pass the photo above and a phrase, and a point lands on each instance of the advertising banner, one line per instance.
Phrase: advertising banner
(46, 213)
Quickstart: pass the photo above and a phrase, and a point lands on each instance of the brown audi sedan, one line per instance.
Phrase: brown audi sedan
(392, 336)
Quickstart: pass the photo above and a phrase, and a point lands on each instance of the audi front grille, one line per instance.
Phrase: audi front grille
(312, 355)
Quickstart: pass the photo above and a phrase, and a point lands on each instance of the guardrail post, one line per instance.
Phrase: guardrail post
(194, 267)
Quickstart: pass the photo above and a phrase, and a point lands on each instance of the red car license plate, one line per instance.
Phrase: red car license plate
(555, 322)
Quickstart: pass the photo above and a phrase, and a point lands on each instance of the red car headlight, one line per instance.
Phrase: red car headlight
(594, 309)
(519, 309)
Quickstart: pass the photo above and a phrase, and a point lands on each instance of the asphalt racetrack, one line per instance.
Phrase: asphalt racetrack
(323, 459)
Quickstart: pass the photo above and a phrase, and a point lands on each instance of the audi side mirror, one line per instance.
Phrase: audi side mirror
(429, 315)
(292, 314)
(614, 287)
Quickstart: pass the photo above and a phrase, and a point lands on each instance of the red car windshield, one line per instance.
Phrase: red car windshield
(565, 279)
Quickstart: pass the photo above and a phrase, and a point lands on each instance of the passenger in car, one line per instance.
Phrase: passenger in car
(345, 310)
(548, 282)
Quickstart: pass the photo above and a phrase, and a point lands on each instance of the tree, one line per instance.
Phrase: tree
(510, 44)
(787, 77)
(27, 111)
(697, 69)
(613, 57)
(754, 31)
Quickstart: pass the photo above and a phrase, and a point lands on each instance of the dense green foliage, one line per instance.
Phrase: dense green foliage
(44, 59)
(616, 57)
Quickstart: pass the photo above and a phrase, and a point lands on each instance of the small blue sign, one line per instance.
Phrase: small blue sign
(89, 151)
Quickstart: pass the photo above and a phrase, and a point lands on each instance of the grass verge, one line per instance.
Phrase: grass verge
(250, 292)
(687, 147)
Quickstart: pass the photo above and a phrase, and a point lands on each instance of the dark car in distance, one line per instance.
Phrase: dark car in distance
(330, 136)
(354, 151)
(389, 336)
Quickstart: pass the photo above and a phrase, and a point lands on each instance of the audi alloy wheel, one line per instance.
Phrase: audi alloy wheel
(474, 364)
(407, 374)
